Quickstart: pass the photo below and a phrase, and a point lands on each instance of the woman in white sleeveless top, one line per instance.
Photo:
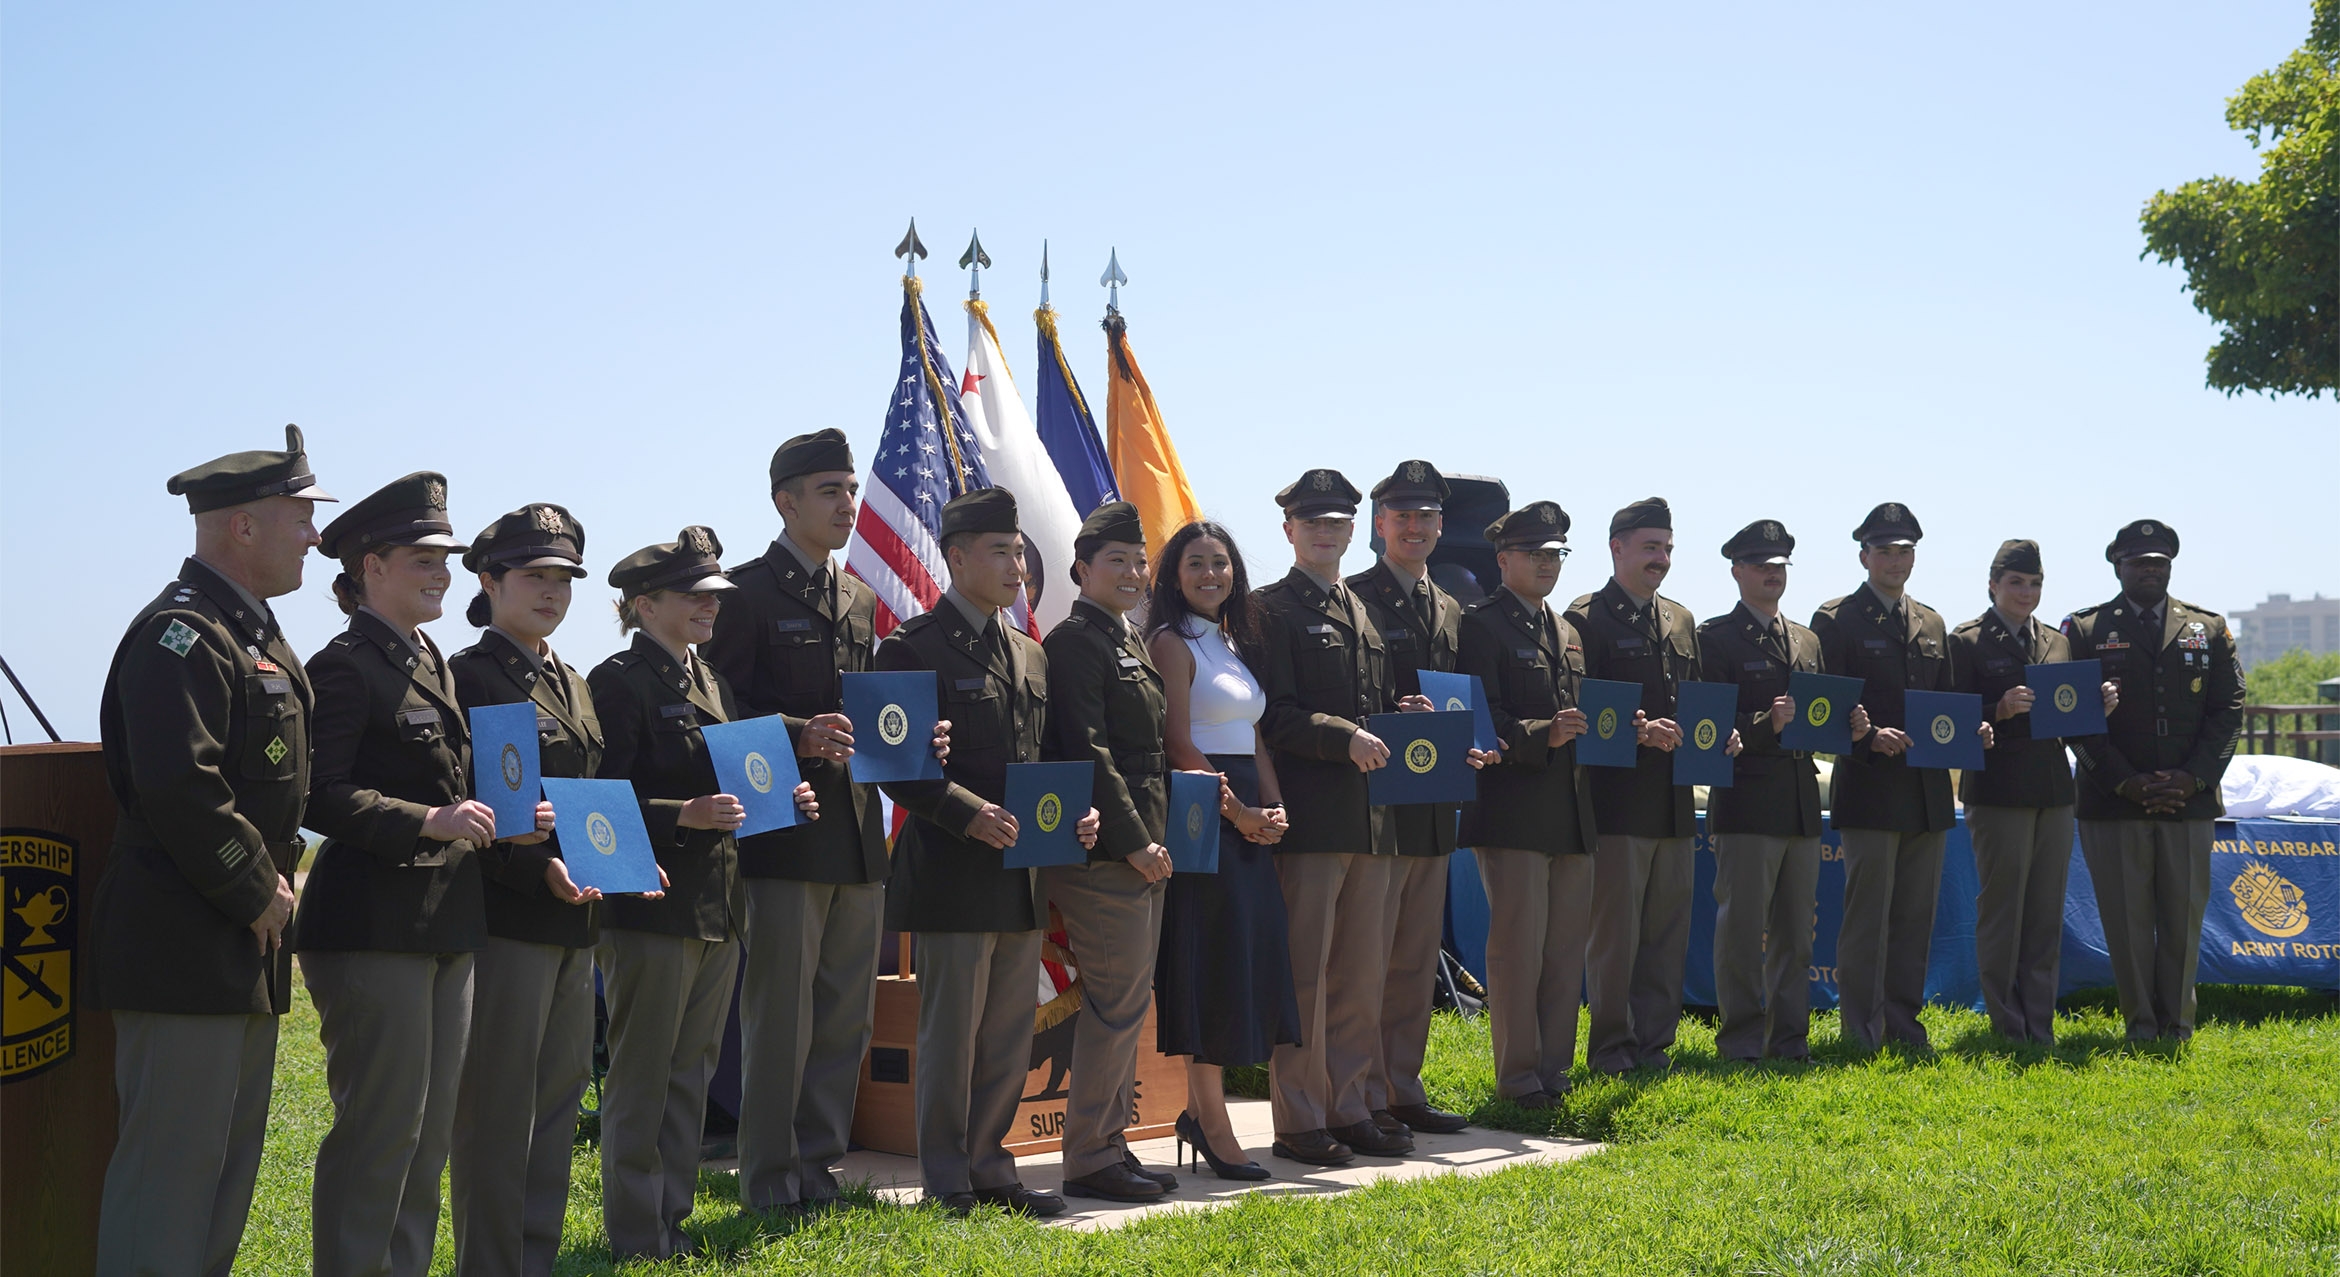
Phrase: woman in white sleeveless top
(1223, 978)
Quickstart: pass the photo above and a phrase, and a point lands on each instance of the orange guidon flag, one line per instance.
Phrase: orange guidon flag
(1137, 445)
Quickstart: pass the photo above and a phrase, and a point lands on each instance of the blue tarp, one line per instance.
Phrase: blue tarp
(2274, 915)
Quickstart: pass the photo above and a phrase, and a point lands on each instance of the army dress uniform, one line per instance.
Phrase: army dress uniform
(205, 721)
(2181, 705)
(1532, 825)
(1642, 862)
(1421, 629)
(1107, 704)
(816, 893)
(2019, 814)
(1894, 818)
(531, 1048)
(1765, 827)
(389, 918)
(668, 965)
(1325, 671)
(977, 921)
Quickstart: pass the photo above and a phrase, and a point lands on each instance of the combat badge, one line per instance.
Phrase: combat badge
(39, 897)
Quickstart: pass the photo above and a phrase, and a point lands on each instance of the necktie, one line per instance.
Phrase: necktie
(995, 635)
(555, 679)
(1422, 606)
(1777, 633)
(824, 586)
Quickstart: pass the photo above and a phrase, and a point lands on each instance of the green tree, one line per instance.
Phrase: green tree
(2289, 679)
(2263, 258)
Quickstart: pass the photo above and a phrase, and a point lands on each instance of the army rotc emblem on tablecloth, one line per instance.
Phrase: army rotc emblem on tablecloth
(2269, 901)
(41, 899)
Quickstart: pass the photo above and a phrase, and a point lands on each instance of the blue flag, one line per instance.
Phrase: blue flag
(504, 765)
(1609, 739)
(1066, 428)
(1704, 711)
(754, 764)
(1192, 838)
(1945, 729)
(603, 840)
(1048, 801)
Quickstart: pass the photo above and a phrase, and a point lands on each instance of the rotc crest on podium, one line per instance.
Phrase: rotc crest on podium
(40, 901)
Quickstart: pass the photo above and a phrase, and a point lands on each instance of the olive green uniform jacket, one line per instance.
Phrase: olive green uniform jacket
(494, 671)
(2181, 705)
(651, 710)
(1325, 671)
(1858, 640)
(1986, 658)
(1660, 652)
(1529, 663)
(1773, 791)
(1106, 703)
(1423, 829)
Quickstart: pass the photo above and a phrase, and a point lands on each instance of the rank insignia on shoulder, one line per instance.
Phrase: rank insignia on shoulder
(179, 638)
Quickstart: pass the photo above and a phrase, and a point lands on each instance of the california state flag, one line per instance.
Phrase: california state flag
(1016, 460)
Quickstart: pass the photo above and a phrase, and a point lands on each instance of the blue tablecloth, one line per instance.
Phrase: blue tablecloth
(2274, 915)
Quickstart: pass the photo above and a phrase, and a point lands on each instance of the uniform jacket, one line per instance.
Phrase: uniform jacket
(998, 709)
(494, 671)
(1324, 672)
(206, 722)
(1660, 654)
(1773, 791)
(651, 711)
(783, 644)
(391, 742)
(1423, 829)
(2181, 705)
(1873, 790)
(2020, 771)
(1537, 798)
(1105, 702)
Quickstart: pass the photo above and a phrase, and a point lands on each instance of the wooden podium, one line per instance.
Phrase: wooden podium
(57, 1111)
(884, 1112)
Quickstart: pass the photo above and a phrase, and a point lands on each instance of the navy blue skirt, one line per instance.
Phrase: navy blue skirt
(1224, 973)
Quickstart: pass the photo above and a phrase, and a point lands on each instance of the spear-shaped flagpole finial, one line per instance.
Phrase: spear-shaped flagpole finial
(1113, 279)
(911, 248)
(1043, 272)
(973, 261)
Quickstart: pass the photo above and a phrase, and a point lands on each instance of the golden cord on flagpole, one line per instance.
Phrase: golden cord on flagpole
(981, 310)
(934, 388)
(1045, 317)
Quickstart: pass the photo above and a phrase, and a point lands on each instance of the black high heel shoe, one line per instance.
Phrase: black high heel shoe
(1190, 1138)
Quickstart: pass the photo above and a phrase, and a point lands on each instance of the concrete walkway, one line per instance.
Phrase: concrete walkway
(1471, 1152)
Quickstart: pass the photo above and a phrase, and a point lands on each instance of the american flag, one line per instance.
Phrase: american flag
(926, 455)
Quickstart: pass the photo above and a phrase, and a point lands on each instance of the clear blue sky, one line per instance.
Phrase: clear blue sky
(1764, 263)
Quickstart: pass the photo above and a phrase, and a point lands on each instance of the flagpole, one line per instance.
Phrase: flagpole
(910, 250)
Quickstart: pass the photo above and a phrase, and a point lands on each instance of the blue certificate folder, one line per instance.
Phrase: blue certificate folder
(603, 839)
(1609, 739)
(1047, 800)
(1192, 838)
(1824, 706)
(893, 725)
(1705, 712)
(753, 763)
(2071, 698)
(1451, 692)
(504, 765)
(1945, 729)
(1429, 759)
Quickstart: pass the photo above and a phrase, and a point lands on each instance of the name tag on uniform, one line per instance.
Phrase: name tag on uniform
(793, 625)
(276, 686)
(1527, 653)
(1758, 665)
(546, 722)
(1632, 641)
(677, 711)
(417, 717)
(1320, 629)
(1130, 662)
(1876, 644)
(969, 684)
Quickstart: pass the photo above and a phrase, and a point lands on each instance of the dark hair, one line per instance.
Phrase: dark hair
(1166, 605)
(349, 591)
(483, 609)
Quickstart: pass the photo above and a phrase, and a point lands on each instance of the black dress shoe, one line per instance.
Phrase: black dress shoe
(1115, 1183)
(1316, 1147)
(1422, 1117)
(1386, 1122)
(1367, 1138)
(956, 1203)
(1022, 1201)
(1535, 1101)
(1167, 1180)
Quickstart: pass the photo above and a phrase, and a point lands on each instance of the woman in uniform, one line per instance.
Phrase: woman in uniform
(531, 1048)
(2019, 809)
(1224, 972)
(668, 964)
(393, 911)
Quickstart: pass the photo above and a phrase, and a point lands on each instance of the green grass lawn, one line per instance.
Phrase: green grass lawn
(2221, 1157)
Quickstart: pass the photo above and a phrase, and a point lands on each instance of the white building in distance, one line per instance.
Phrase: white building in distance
(2283, 623)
